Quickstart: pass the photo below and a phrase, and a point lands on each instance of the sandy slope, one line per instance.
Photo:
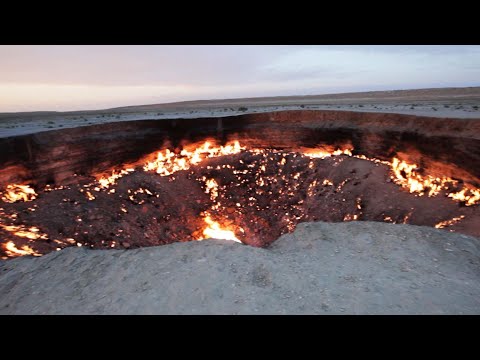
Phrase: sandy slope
(322, 268)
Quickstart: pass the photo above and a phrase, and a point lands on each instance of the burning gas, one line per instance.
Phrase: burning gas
(216, 231)
(446, 223)
(32, 233)
(167, 162)
(12, 251)
(324, 153)
(407, 176)
(105, 182)
(469, 196)
(17, 192)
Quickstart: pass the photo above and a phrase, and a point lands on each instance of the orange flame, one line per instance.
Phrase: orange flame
(17, 192)
(105, 182)
(32, 233)
(406, 176)
(12, 251)
(463, 195)
(215, 231)
(167, 162)
(324, 153)
(444, 224)
(212, 188)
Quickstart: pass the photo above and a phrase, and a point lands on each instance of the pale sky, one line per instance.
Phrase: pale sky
(81, 77)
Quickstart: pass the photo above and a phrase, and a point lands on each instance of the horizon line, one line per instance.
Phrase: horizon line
(200, 100)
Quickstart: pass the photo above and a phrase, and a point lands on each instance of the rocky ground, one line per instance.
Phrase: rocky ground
(321, 268)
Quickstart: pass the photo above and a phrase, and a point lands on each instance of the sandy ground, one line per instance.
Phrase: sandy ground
(459, 103)
(321, 268)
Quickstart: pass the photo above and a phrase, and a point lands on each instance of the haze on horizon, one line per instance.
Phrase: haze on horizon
(84, 77)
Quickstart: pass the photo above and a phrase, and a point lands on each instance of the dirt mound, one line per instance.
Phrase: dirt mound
(321, 268)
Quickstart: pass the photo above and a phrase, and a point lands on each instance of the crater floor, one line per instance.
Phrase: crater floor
(254, 196)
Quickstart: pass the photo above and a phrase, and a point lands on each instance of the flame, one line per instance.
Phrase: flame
(406, 176)
(17, 192)
(444, 224)
(327, 182)
(167, 162)
(12, 251)
(324, 153)
(462, 195)
(215, 231)
(32, 233)
(90, 196)
(212, 188)
(350, 217)
(105, 182)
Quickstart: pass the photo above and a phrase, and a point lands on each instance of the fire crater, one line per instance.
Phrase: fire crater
(233, 192)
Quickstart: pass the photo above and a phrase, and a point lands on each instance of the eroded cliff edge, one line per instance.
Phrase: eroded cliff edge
(442, 147)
